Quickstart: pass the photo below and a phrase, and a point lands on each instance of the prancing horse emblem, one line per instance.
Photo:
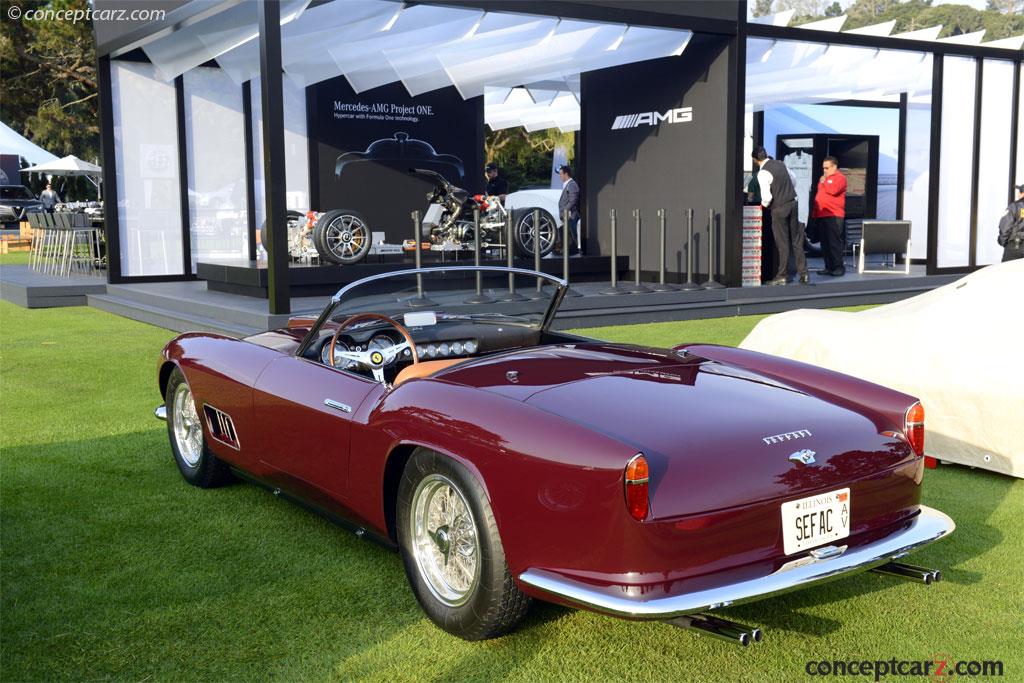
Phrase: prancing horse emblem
(804, 457)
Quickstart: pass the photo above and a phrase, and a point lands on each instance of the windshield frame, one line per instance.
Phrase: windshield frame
(549, 315)
(27, 194)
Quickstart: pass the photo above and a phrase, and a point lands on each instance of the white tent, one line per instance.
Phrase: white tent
(69, 166)
(13, 143)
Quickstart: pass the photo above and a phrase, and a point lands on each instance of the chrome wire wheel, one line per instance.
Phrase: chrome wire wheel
(446, 545)
(546, 233)
(188, 430)
(346, 236)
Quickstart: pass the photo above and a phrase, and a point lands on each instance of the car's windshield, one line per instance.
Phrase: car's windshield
(15, 192)
(449, 295)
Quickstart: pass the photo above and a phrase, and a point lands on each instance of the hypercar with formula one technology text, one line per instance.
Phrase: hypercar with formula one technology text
(507, 461)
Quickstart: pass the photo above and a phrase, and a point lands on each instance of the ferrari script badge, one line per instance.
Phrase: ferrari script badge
(804, 457)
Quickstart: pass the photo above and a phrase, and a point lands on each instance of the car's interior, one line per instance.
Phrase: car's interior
(440, 341)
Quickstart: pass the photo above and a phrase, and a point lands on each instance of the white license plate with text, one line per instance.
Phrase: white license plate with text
(815, 520)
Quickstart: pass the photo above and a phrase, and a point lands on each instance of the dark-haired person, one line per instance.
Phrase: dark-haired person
(496, 185)
(568, 201)
(829, 212)
(779, 196)
(1011, 228)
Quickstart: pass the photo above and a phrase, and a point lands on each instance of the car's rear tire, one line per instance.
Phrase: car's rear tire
(452, 552)
(196, 462)
(342, 237)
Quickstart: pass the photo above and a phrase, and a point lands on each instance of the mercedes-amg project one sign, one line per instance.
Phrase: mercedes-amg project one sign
(653, 118)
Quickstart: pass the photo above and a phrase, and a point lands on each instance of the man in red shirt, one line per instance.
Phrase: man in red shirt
(829, 212)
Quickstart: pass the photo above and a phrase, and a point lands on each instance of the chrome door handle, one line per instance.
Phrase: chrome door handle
(331, 403)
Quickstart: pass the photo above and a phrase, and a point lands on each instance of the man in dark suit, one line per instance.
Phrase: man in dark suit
(569, 202)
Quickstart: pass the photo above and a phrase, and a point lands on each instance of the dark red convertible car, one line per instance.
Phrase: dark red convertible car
(507, 461)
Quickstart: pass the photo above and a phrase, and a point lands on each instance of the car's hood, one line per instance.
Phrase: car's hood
(705, 427)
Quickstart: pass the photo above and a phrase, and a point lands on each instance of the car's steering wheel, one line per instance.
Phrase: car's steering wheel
(375, 359)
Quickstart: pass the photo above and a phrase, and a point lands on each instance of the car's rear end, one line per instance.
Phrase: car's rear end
(743, 484)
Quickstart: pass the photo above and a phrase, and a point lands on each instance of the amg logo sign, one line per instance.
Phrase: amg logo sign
(788, 436)
(653, 118)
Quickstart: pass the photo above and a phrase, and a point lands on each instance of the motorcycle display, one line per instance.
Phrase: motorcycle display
(449, 219)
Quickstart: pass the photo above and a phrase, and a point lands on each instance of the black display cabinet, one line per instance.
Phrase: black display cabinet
(858, 161)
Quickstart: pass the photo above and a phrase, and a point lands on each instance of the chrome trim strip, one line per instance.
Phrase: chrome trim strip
(929, 526)
(331, 403)
(161, 412)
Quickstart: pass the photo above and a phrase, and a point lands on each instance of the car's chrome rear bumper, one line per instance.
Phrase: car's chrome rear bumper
(928, 526)
(161, 412)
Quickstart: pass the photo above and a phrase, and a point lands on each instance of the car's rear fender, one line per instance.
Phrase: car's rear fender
(554, 486)
(885, 407)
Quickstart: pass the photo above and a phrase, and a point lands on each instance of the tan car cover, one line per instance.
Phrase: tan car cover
(959, 348)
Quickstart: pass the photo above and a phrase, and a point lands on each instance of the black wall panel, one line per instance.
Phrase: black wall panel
(365, 144)
(672, 166)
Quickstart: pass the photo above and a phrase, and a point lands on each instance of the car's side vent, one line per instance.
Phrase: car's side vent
(222, 427)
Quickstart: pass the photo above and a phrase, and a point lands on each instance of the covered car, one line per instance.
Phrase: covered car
(955, 347)
(508, 462)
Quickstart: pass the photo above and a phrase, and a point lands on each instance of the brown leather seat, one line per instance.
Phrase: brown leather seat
(425, 368)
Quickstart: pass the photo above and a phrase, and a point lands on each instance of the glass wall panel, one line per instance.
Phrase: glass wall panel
(958, 86)
(994, 159)
(1019, 178)
(916, 174)
(296, 149)
(215, 133)
(146, 154)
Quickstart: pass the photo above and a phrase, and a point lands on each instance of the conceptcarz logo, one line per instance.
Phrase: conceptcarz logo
(653, 118)
(788, 436)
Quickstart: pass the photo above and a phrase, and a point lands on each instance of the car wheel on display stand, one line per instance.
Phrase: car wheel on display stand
(342, 237)
(295, 219)
(522, 220)
(452, 553)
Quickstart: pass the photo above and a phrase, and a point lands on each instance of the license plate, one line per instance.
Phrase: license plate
(815, 520)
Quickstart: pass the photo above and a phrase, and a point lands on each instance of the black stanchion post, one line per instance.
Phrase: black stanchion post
(509, 257)
(689, 285)
(569, 291)
(479, 297)
(712, 260)
(661, 285)
(638, 287)
(536, 250)
(614, 289)
(420, 299)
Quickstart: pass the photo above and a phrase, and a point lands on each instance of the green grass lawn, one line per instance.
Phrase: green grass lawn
(114, 568)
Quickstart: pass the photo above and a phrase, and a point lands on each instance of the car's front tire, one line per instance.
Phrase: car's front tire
(197, 464)
(452, 552)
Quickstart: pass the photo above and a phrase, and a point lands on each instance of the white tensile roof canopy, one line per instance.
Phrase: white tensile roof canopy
(789, 72)
(528, 67)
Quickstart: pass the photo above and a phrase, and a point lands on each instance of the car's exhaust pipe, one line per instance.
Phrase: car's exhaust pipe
(723, 629)
(910, 572)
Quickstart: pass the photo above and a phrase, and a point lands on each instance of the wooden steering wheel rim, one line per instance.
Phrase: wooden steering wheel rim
(358, 317)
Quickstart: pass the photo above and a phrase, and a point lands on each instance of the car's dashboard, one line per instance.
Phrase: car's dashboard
(446, 339)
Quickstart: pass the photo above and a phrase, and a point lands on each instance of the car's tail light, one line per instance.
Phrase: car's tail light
(636, 487)
(913, 427)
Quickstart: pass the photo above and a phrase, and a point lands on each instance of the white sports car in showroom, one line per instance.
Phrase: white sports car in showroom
(957, 348)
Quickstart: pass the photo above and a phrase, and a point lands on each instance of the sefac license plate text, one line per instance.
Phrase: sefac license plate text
(815, 520)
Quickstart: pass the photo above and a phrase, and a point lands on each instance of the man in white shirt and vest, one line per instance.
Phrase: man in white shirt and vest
(779, 196)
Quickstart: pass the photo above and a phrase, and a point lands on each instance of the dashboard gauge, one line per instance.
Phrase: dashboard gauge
(470, 346)
(456, 348)
(339, 362)
(430, 351)
(443, 349)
